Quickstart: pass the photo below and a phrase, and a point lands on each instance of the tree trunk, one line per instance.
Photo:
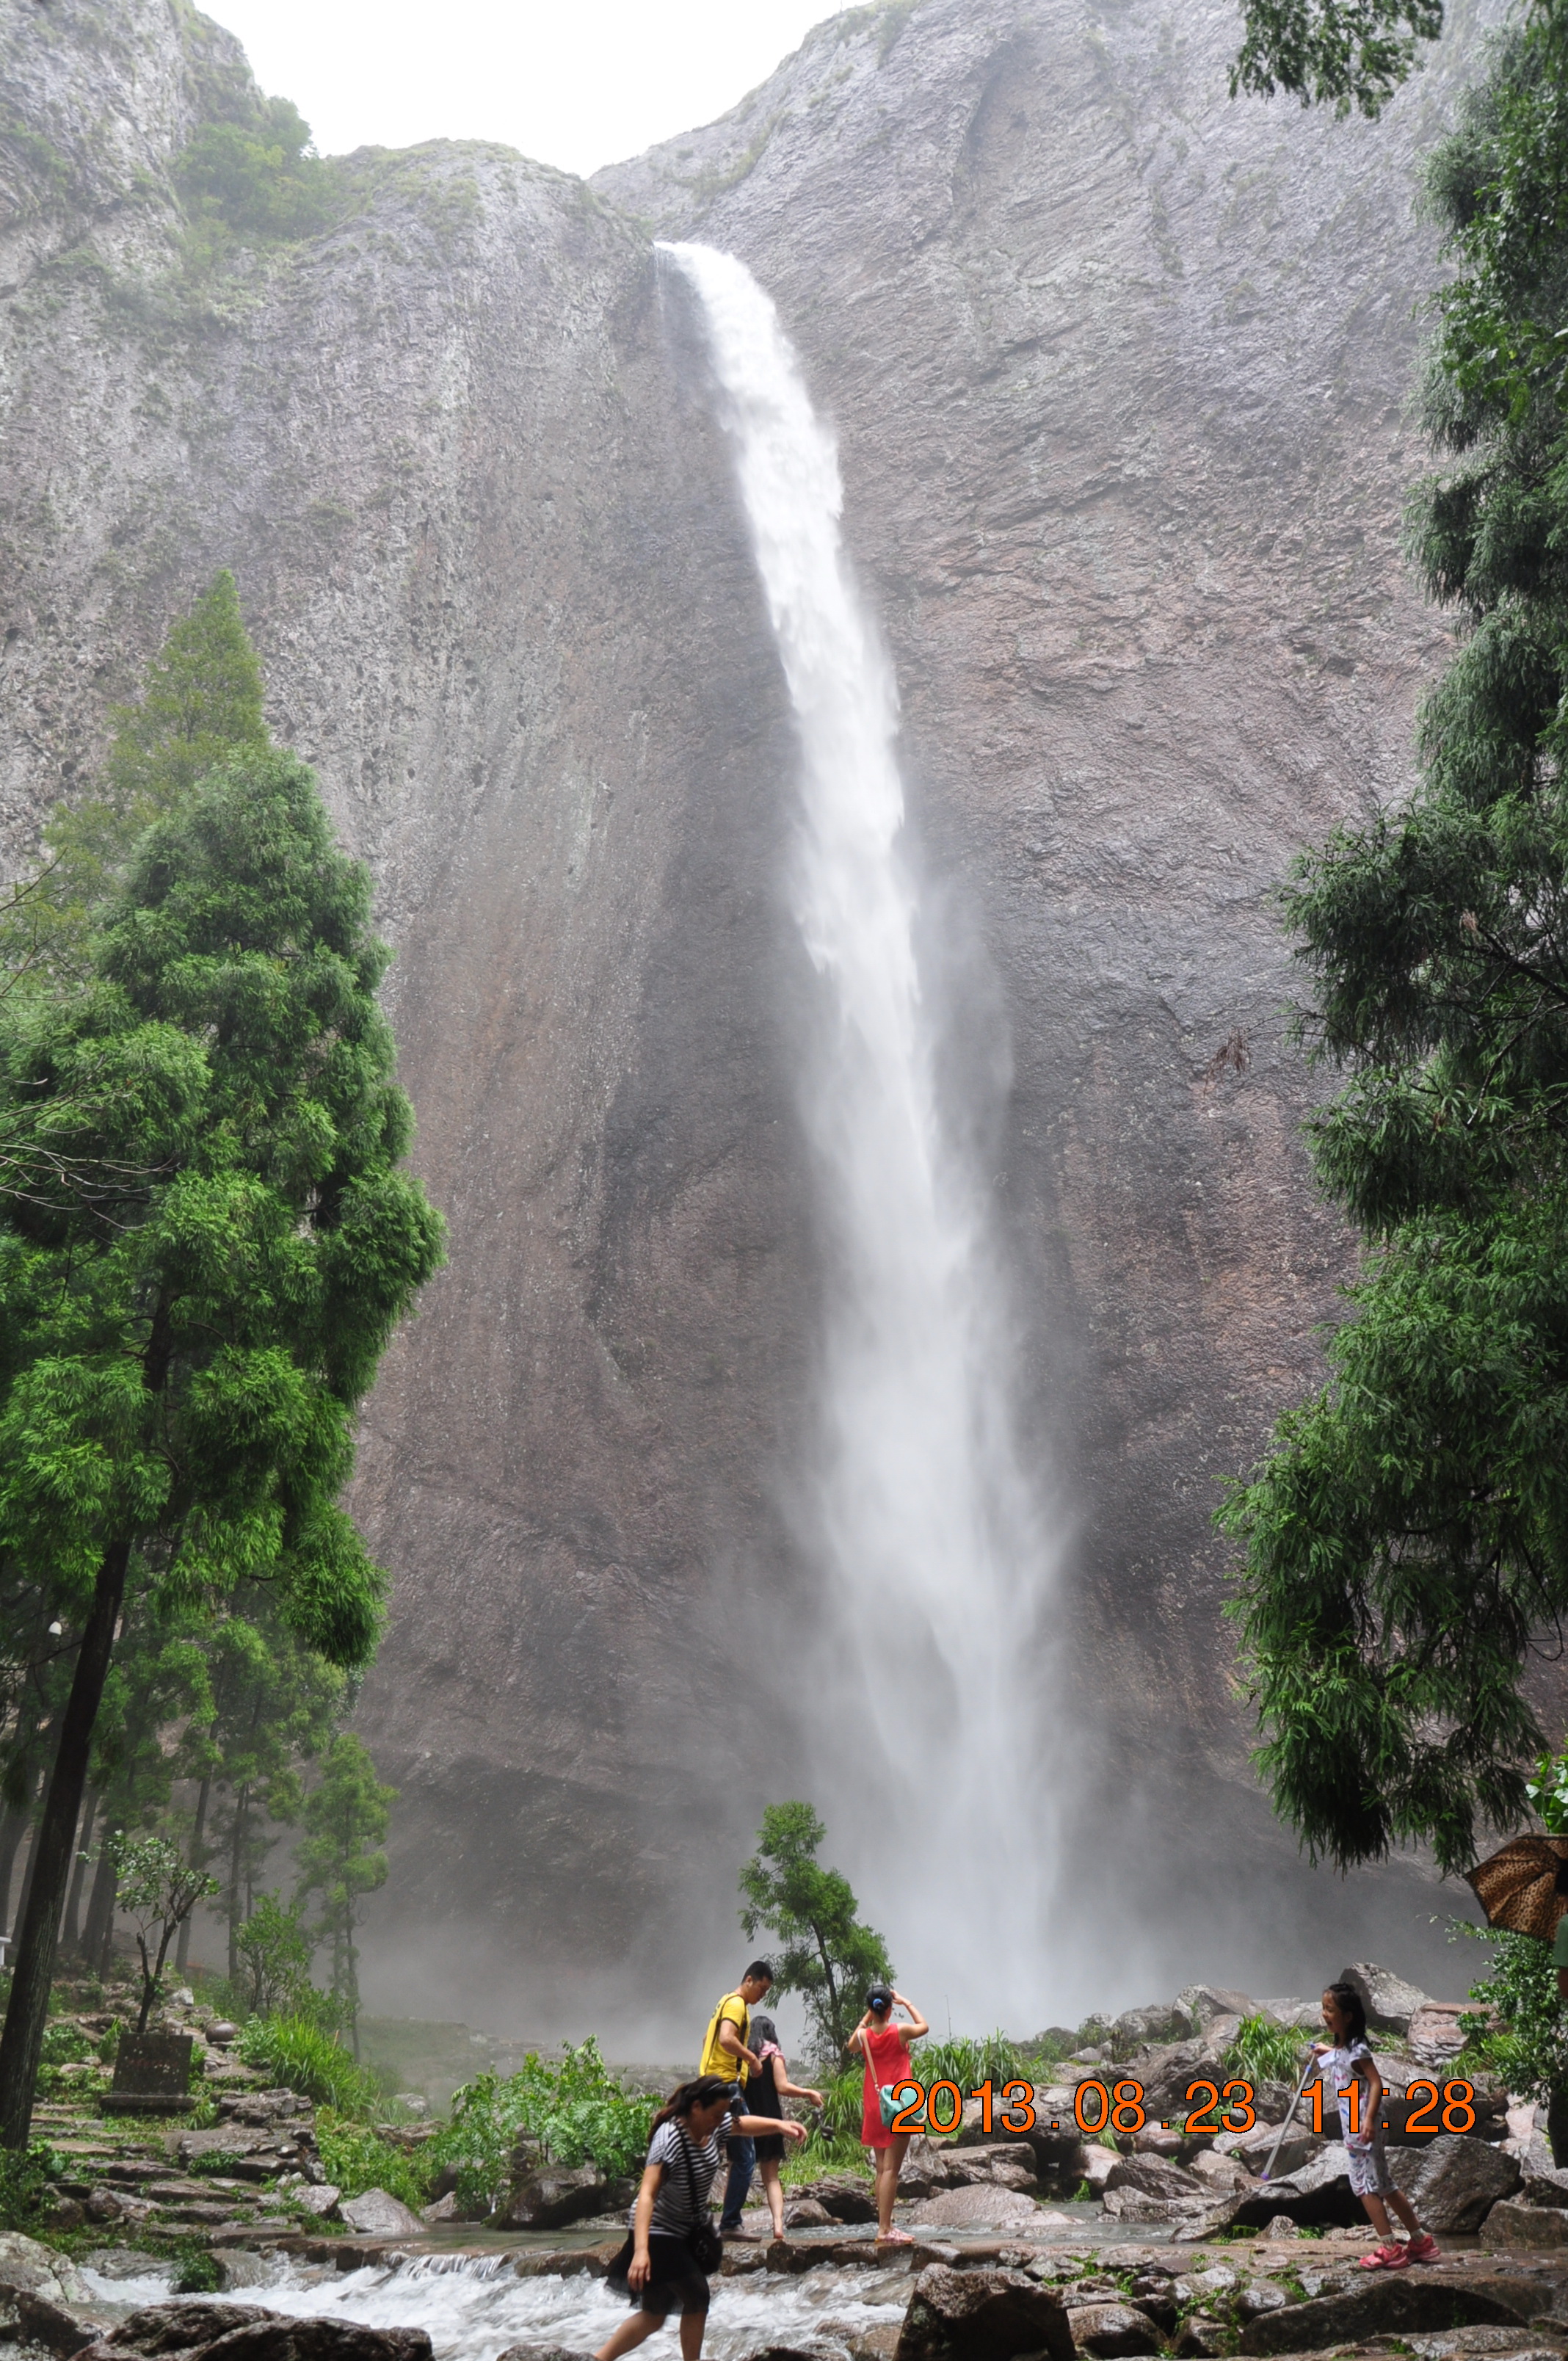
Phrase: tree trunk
(236, 1854)
(69, 1934)
(198, 1838)
(13, 1829)
(26, 2013)
(98, 1941)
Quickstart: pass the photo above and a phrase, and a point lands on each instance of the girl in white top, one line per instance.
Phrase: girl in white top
(1346, 2070)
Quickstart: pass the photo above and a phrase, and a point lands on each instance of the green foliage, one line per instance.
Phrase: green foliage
(297, 2055)
(575, 2108)
(25, 2174)
(199, 2274)
(158, 1892)
(826, 1955)
(1409, 1535)
(355, 2159)
(1519, 2030)
(1345, 53)
(345, 1819)
(832, 2139)
(1548, 1793)
(968, 2063)
(276, 1956)
(66, 2045)
(1263, 2051)
(254, 183)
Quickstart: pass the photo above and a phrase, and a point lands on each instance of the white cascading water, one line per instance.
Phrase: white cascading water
(934, 1553)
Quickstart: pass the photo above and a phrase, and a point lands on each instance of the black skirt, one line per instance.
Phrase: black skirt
(675, 2282)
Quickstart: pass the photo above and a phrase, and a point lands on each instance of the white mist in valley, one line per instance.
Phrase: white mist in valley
(931, 1683)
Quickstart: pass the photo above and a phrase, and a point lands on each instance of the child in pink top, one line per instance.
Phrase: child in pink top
(884, 2046)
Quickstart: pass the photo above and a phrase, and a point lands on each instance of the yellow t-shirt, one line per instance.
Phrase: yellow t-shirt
(716, 2058)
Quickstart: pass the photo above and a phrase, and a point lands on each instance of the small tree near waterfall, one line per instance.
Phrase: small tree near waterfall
(828, 1955)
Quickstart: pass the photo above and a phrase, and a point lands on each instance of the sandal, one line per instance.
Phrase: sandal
(1424, 2249)
(1392, 2258)
(893, 2238)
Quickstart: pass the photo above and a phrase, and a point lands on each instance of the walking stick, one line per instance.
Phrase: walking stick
(1290, 2112)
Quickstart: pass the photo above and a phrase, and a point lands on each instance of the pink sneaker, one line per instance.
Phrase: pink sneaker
(1392, 2258)
(1423, 2248)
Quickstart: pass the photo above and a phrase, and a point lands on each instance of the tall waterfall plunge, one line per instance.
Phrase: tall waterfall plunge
(932, 1705)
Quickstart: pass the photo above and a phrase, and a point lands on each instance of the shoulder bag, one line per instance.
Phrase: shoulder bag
(890, 2095)
(702, 2241)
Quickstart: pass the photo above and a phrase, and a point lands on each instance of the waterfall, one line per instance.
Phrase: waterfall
(932, 1691)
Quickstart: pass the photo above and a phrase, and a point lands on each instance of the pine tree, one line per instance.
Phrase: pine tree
(184, 1345)
(345, 1820)
(1408, 1537)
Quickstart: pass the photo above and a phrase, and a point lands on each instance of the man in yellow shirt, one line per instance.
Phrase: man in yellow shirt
(724, 2052)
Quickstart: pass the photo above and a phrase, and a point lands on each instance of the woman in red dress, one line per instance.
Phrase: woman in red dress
(884, 2046)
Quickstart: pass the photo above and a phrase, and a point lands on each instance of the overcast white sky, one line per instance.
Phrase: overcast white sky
(573, 83)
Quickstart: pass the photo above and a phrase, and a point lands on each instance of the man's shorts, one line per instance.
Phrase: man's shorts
(1369, 2173)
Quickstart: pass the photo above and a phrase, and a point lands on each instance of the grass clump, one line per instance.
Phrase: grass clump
(1266, 2052)
(299, 2056)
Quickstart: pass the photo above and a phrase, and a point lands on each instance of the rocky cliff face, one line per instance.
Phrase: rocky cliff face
(1119, 371)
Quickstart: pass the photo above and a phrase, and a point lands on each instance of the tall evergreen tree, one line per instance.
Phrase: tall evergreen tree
(185, 1344)
(828, 1956)
(1408, 1537)
(345, 1819)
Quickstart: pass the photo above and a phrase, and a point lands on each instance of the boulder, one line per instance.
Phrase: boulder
(1111, 2328)
(1543, 2183)
(1156, 2140)
(378, 2214)
(1252, 2149)
(981, 2206)
(807, 2213)
(445, 2209)
(552, 2197)
(25, 2263)
(1136, 2028)
(1165, 2074)
(841, 2201)
(279, 2339)
(982, 2315)
(1317, 2196)
(542, 2351)
(156, 2329)
(1301, 2015)
(1389, 2304)
(43, 2323)
(321, 2198)
(1156, 2176)
(1204, 2005)
(1096, 2164)
(1453, 2181)
(1219, 2176)
(1513, 2223)
(1389, 2001)
(1259, 2295)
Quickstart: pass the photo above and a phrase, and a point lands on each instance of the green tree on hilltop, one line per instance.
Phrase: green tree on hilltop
(184, 1345)
(1407, 1538)
(345, 1819)
(828, 1955)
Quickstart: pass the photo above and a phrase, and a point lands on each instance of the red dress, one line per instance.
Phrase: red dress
(887, 2060)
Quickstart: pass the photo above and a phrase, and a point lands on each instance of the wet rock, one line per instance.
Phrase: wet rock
(375, 2214)
(164, 2328)
(274, 2338)
(1252, 2149)
(543, 2353)
(1389, 2002)
(1259, 2295)
(445, 2209)
(1154, 2139)
(552, 2197)
(1111, 2328)
(982, 2315)
(43, 2323)
(1453, 2181)
(1156, 2176)
(25, 2263)
(980, 2207)
(1514, 2222)
(1096, 2164)
(1280, 2225)
(1200, 2339)
(841, 2201)
(1543, 2183)
(806, 2214)
(1389, 2304)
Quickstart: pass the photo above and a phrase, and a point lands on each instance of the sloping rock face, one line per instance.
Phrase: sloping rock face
(1118, 371)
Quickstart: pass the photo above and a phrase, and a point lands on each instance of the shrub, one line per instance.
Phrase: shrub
(355, 2159)
(198, 2274)
(575, 2109)
(24, 2175)
(64, 2044)
(299, 2055)
(257, 182)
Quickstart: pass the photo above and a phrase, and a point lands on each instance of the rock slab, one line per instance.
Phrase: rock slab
(982, 2315)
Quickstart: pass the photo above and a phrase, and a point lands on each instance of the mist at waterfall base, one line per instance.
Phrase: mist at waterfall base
(932, 1688)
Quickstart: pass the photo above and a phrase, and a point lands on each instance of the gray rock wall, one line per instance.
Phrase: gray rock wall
(1119, 373)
